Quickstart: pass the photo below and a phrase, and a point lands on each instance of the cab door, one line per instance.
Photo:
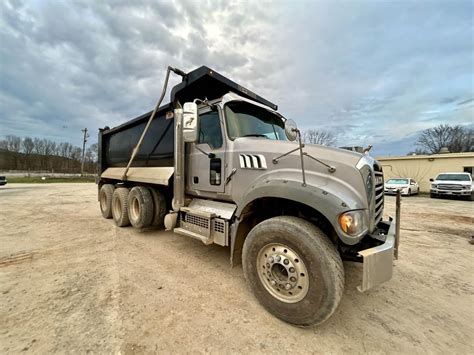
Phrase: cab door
(206, 159)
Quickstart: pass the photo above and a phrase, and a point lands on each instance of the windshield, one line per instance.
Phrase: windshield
(397, 181)
(247, 120)
(453, 177)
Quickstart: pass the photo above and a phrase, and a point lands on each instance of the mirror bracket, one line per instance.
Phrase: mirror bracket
(292, 132)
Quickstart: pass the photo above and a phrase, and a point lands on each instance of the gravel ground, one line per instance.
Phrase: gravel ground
(70, 281)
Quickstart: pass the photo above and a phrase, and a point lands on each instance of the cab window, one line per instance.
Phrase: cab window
(210, 129)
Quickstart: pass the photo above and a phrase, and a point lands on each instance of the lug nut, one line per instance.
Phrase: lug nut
(268, 265)
(273, 282)
(292, 279)
(286, 262)
(278, 258)
(292, 269)
(270, 259)
(287, 286)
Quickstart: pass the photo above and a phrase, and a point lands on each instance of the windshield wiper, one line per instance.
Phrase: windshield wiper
(255, 135)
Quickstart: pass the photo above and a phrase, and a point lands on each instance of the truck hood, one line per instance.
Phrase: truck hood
(329, 155)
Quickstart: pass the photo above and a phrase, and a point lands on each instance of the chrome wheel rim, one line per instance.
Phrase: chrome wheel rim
(283, 273)
(135, 209)
(103, 201)
(117, 207)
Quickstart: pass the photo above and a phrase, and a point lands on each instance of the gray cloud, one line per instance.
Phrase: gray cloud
(370, 72)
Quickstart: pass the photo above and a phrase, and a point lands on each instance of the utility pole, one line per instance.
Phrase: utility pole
(84, 148)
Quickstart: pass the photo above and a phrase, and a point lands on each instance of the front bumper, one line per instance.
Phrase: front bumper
(451, 192)
(378, 261)
(392, 191)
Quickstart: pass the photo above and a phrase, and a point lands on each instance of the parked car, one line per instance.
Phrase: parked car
(407, 186)
(452, 184)
(3, 180)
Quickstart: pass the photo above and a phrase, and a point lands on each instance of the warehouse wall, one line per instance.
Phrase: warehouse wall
(423, 167)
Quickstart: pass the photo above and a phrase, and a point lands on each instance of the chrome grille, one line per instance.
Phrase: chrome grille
(449, 187)
(379, 196)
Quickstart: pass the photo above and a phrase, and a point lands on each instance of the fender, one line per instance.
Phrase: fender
(321, 198)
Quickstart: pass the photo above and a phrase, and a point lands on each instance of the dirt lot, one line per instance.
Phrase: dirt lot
(70, 281)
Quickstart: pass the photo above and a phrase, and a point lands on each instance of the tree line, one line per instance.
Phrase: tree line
(455, 139)
(32, 153)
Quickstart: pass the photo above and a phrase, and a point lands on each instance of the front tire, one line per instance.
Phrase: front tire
(294, 270)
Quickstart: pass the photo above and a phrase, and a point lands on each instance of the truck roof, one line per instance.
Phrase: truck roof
(207, 82)
(200, 83)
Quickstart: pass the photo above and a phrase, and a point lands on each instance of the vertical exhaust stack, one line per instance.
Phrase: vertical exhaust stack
(178, 186)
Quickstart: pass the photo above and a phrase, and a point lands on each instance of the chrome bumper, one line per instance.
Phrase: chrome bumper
(378, 261)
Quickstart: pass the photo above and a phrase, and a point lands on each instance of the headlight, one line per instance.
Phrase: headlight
(353, 223)
(434, 186)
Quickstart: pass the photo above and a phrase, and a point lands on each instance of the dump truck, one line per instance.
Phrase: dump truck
(220, 164)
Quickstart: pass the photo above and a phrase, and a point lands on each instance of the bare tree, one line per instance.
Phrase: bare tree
(314, 136)
(27, 145)
(14, 143)
(3, 144)
(455, 138)
(76, 153)
(48, 146)
(462, 139)
(38, 146)
(94, 150)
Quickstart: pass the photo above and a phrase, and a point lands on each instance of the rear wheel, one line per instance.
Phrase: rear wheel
(120, 207)
(140, 207)
(105, 200)
(294, 270)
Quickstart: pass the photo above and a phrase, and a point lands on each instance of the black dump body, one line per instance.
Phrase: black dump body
(116, 144)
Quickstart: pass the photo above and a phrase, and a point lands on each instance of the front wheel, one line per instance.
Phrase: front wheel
(294, 270)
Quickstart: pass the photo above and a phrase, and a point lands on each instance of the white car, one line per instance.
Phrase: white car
(452, 184)
(407, 186)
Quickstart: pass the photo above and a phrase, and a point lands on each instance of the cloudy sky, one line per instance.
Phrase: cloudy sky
(373, 72)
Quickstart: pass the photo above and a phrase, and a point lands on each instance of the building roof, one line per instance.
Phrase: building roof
(429, 156)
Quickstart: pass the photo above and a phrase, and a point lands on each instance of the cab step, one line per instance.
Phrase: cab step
(207, 221)
(202, 238)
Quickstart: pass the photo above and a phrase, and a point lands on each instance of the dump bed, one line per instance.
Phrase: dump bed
(118, 143)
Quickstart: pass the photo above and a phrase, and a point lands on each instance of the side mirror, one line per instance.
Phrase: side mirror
(291, 130)
(190, 120)
(431, 180)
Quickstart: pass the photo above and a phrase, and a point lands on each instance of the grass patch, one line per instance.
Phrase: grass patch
(48, 180)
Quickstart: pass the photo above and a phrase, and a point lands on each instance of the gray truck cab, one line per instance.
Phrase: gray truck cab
(242, 178)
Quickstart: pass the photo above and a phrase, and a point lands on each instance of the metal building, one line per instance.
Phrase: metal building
(423, 167)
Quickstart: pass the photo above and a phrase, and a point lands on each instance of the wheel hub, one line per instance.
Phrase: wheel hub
(283, 273)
